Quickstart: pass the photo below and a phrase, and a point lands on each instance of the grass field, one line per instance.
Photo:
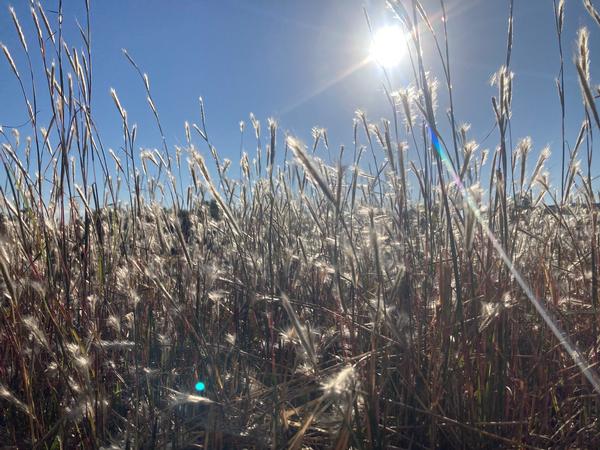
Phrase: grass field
(385, 303)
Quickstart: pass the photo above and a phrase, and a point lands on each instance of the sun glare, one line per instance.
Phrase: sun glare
(388, 46)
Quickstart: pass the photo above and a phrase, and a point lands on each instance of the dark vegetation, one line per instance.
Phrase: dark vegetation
(323, 305)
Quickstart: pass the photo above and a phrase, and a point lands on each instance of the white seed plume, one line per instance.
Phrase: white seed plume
(341, 383)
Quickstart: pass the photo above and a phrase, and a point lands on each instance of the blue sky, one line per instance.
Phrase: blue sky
(300, 62)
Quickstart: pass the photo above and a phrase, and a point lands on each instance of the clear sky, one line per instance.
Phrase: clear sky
(302, 62)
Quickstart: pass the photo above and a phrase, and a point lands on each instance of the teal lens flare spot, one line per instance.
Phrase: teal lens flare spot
(200, 386)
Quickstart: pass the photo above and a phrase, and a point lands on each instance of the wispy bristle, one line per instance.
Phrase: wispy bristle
(340, 383)
(8, 396)
(10, 60)
(181, 398)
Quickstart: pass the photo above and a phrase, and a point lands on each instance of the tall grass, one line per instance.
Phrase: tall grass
(323, 305)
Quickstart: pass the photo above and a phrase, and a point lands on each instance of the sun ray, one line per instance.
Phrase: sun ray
(325, 86)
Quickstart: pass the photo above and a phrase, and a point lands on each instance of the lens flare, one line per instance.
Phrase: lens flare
(200, 386)
(578, 357)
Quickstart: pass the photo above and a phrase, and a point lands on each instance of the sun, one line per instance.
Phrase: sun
(388, 46)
